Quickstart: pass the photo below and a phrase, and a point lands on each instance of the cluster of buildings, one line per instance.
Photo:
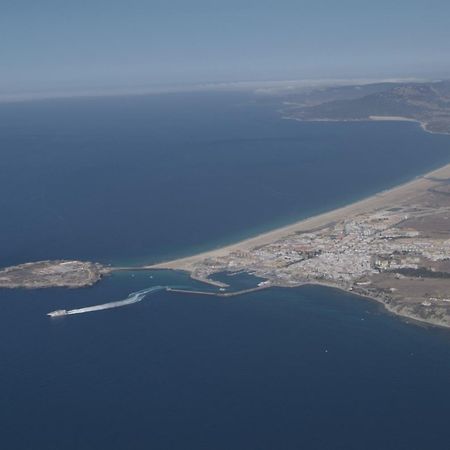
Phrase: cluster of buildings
(341, 253)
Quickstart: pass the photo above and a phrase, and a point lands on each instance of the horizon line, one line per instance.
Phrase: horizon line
(267, 87)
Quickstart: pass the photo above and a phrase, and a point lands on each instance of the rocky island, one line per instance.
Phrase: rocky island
(58, 273)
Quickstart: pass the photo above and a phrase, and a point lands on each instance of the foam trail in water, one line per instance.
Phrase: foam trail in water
(134, 297)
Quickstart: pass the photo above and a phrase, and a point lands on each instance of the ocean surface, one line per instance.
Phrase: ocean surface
(139, 179)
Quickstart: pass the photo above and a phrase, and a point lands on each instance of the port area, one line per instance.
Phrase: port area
(230, 284)
(218, 294)
(138, 296)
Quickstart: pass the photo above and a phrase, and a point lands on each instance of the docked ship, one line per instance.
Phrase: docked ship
(58, 313)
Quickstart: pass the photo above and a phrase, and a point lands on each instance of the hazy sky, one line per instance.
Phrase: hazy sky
(77, 43)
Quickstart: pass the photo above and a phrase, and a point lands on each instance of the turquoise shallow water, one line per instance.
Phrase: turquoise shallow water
(147, 178)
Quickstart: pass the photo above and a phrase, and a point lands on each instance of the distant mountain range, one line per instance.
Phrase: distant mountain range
(428, 103)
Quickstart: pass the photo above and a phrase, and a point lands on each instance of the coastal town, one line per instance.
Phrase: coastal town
(394, 247)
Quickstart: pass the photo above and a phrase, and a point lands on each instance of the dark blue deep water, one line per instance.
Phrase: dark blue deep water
(146, 178)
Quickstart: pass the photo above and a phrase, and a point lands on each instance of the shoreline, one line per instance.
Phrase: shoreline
(382, 200)
(407, 317)
(386, 199)
(375, 118)
(422, 124)
(380, 301)
(371, 203)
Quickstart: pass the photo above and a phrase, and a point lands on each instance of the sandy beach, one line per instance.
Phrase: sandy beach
(383, 199)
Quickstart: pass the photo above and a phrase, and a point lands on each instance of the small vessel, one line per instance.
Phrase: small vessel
(58, 313)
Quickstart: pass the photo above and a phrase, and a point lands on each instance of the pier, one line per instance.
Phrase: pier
(218, 294)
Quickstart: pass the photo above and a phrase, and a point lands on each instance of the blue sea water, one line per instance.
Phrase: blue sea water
(136, 179)
(145, 178)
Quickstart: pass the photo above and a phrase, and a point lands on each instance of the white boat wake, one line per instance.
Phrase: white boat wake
(134, 297)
